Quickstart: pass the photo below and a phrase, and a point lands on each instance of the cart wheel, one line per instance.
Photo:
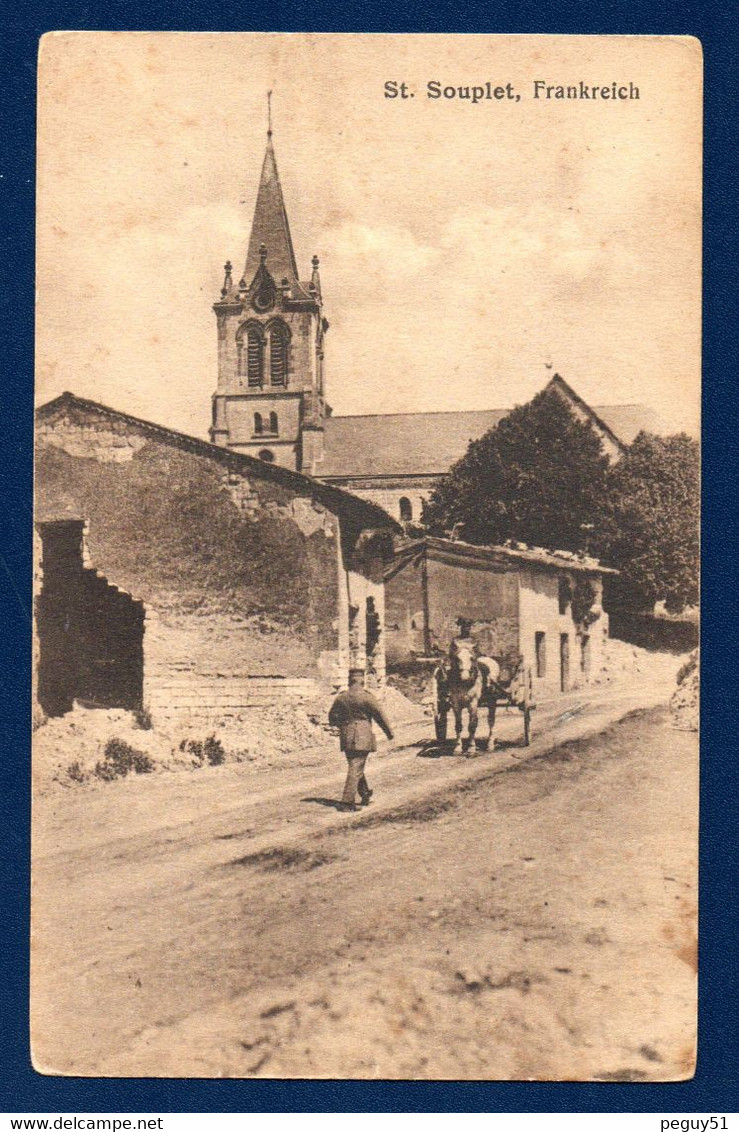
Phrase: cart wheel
(526, 725)
(440, 726)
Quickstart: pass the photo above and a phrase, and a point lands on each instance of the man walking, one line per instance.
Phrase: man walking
(353, 712)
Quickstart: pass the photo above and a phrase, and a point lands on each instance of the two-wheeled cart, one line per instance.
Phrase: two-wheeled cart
(513, 688)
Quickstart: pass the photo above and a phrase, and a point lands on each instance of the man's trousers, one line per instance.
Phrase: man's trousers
(355, 780)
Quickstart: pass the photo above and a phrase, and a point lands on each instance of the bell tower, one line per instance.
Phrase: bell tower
(270, 396)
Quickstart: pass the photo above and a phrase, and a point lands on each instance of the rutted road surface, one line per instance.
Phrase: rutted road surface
(526, 913)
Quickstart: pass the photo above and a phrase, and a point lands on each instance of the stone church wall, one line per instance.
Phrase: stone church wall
(389, 498)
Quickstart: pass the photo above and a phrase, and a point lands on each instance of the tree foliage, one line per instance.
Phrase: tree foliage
(538, 477)
(541, 477)
(652, 535)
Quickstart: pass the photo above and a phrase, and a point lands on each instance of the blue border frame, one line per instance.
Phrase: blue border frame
(714, 1089)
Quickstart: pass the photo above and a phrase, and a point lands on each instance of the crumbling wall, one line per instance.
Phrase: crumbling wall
(488, 598)
(238, 574)
(404, 614)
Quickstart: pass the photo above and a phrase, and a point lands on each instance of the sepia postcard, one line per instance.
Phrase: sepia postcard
(366, 664)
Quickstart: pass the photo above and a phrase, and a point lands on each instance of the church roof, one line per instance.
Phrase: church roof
(429, 443)
(270, 227)
(401, 443)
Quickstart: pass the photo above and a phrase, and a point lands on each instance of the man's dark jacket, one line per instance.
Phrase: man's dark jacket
(353, 712)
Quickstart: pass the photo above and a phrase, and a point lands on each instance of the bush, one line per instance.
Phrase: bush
(120, 758)
(207, 750)
(142, 719)
(75, 772)
(214, 751)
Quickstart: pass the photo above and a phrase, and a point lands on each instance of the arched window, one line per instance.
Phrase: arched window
(254, 358)
(258, 424)
(406, 509)
(266, 455)
(278, 339)
(273, 423)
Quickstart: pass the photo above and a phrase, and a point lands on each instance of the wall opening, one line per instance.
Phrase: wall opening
(406, 509)
(373, 631)
(564, 662)
(540, 645)
(585, 655)
(91, 634)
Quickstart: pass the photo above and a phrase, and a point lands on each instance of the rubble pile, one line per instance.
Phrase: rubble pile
(622, 660)
(685, 703)
(70, 750)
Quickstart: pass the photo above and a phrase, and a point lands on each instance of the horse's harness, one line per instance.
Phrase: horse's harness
(452, 662)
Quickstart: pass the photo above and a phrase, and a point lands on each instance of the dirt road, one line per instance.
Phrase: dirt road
(528, 913)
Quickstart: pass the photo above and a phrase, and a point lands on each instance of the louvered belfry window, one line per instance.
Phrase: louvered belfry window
(254, 358)
(278, 354)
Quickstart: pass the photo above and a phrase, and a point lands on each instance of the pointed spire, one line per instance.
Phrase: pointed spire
(270, 226)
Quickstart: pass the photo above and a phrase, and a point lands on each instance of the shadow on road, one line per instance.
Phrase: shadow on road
(332, 803)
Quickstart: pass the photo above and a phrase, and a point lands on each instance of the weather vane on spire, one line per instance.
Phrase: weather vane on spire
(269, 113)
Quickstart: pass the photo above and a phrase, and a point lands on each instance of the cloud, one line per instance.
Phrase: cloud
(368, 261)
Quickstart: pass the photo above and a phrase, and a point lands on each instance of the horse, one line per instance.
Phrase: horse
(464, 679)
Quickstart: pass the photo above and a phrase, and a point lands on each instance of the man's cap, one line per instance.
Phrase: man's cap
(356, 672)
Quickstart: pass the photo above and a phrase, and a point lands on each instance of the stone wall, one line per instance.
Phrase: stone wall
(404, 614)
(237, 573)
(487, 597)
(389, 498)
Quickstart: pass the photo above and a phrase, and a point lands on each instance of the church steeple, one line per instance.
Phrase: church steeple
(270, 227)
(270, 398)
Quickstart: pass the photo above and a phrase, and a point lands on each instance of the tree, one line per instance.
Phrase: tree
(538, 477)
(653, 536)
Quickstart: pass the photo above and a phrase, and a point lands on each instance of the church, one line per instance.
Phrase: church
(271, 402)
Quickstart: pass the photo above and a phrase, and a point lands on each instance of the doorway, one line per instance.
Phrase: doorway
(91, 634)
(564, 660)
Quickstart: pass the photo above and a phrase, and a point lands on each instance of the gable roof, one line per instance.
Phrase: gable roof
(620, 423)
(336, 500)
(428, 444)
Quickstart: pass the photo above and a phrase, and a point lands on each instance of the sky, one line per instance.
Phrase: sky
(468, 251)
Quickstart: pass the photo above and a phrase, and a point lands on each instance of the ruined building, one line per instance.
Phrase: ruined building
(182, 579)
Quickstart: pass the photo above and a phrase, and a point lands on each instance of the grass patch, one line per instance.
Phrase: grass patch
(427, 810)
(274, 860)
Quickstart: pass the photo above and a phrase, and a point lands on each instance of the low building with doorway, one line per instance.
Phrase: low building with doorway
(545, 606)
(177, 577)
